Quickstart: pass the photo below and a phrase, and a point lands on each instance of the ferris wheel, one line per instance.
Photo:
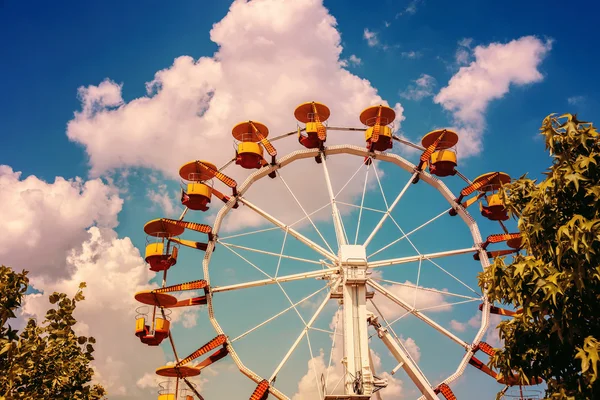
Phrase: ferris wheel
(343, 288)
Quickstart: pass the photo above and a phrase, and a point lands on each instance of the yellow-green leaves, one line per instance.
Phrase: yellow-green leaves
(589, 357)
(47, 360)
(557, 281)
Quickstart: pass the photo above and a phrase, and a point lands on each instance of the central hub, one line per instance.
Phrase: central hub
(353, 260)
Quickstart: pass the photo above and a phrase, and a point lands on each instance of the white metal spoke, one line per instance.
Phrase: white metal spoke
(281, 254)
(270, 253)
(289, 229)
(324, 331)
(305, 213)
(359, 207)
(250, 233)
(362, 203)
(409, 259)
(337, 219)
(453, 277)
(277, 315)
(292, 303)
(310, 214)
(420, 261)
(350, 180)
(314, 368)
(447, 305)
(389, 208)
(338, 383)
(401, 354)
(424, 289)
(335, 327)
(417, 283)
(248, 261)
(406, 235)
(372, 365)
(397, 319)
(322, 273)
(417, 313)
(304, 332)
(388, 325)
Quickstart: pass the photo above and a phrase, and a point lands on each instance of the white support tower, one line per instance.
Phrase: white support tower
(359, 376)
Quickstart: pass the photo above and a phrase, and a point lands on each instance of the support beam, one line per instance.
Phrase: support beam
(411, 369)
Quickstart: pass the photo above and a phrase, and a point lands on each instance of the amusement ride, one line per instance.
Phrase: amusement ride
(349, 274)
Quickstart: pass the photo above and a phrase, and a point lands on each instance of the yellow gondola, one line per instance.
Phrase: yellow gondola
(441, 144)
(313, 115)
(379, 134)
(495, 209)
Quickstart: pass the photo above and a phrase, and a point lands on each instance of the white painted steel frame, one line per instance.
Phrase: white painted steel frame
(361, 152)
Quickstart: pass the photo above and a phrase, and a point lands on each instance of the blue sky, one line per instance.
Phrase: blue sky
(134, 140)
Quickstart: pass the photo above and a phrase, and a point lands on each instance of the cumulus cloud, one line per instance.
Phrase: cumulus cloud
(411, 54)
(62, 232)
(492, 336)
(332, 372)
(113, 271)
(353, 60)
(465, 42)
(411, 8)
(495, 69)
(413, 349)
(422, 299)
(271, 57)
(473, 322)
(43, 221)
(370, 37)
(420, 88)
(161, 198)
(575, 100)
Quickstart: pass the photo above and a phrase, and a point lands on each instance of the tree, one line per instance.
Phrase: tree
(557, 282)
(47, 361)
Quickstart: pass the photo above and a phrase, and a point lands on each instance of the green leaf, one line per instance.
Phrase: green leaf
(54, 298)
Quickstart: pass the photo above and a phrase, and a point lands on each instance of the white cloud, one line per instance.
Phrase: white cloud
(161, 198)
(353, 60)
(412, 7)
(113, 271)
(319, 365)
(463, 53)
(575, 100)
(421, 88)
(458, 326)
(271, 57)
(370, 37)
(473, 322)
(496, 67)
(62, 233)
(434, 302)
(492, 338)
(462, 56)
(413, 349)
(465, 42)
(41, 222)
(411, 54)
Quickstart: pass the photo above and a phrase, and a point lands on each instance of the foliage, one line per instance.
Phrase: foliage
(557, 282)
(47, 361)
